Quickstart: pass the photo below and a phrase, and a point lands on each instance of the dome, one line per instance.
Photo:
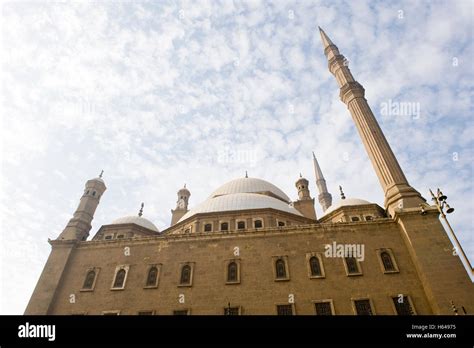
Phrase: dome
(345, 203)
(137, 220)
(249, 185)
(99, 179)
(240, 201)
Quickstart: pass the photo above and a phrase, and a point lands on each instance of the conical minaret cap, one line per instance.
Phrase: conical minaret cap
(325, 39)
(317, 170)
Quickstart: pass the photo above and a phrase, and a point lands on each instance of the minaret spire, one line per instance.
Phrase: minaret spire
(325, 39)
(324, 198)
(398, 193)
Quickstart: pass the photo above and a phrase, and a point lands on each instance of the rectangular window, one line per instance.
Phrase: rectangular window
(352, 266)
(232, 311)
(403, 305)
(224, 226)
(120, 279)
(181, 312)
(323, 308)
(232, 271)
(208, 228)
(363, 307)
(281, 223)
(387, 261)
(281, 270)
(286, 309)
(241, 225)
(186, 274)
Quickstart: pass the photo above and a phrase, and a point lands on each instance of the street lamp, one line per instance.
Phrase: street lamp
(440, 201)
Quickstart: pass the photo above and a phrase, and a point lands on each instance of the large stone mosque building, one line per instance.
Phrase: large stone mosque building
(248, 249)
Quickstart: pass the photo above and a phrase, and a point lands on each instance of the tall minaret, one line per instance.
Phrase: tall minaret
(324, 198)
(63, 248)
(398, 193)
(181, 205)
(79, 226)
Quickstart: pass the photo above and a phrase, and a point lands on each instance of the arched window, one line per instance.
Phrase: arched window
(232, 272)
(280, 268)
(258, 224)
(207, 227)
(387, 261)
(152, 276)
(120, 278)
(93, 193)
(89, 281)
(355, 218)
(224, 226)
(352, 266)
(241, 225)
(185, 274)
(281, 223)
(315, 266)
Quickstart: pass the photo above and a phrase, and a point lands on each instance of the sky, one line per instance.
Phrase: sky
(162, 93)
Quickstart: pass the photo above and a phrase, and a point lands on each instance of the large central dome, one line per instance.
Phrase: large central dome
(244, 194)
(250, 185)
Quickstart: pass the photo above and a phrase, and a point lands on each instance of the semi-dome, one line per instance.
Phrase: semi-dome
(137, 220)
(240, 201)
(346, 202)
(250, 185)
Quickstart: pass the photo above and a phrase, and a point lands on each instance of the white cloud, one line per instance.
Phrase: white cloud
(151, 93)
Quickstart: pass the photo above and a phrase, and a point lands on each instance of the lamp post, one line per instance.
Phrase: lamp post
(440, 201)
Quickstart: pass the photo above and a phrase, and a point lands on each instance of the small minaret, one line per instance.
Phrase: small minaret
(79, 226)
(304, 204)
(324, 197)
(398, 193)
(303, 190)
(181, 205)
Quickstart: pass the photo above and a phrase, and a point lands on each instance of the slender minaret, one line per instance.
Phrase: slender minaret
(398, 193)
(324, 197)
(63, 248)
(79, 226)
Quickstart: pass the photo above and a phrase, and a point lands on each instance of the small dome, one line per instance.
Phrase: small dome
(345, 203)
(99, 179)
(249, 185)
(137, 220)
(240, 201)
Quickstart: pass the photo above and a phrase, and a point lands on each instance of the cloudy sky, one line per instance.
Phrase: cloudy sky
(162, 93)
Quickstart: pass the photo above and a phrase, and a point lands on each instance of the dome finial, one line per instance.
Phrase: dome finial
(140, 212)
(301, 175)
(184, 185)
(342, 192)
(246, 174)
(101, 173)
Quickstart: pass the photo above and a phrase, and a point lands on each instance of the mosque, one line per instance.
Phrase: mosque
(248, 249)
